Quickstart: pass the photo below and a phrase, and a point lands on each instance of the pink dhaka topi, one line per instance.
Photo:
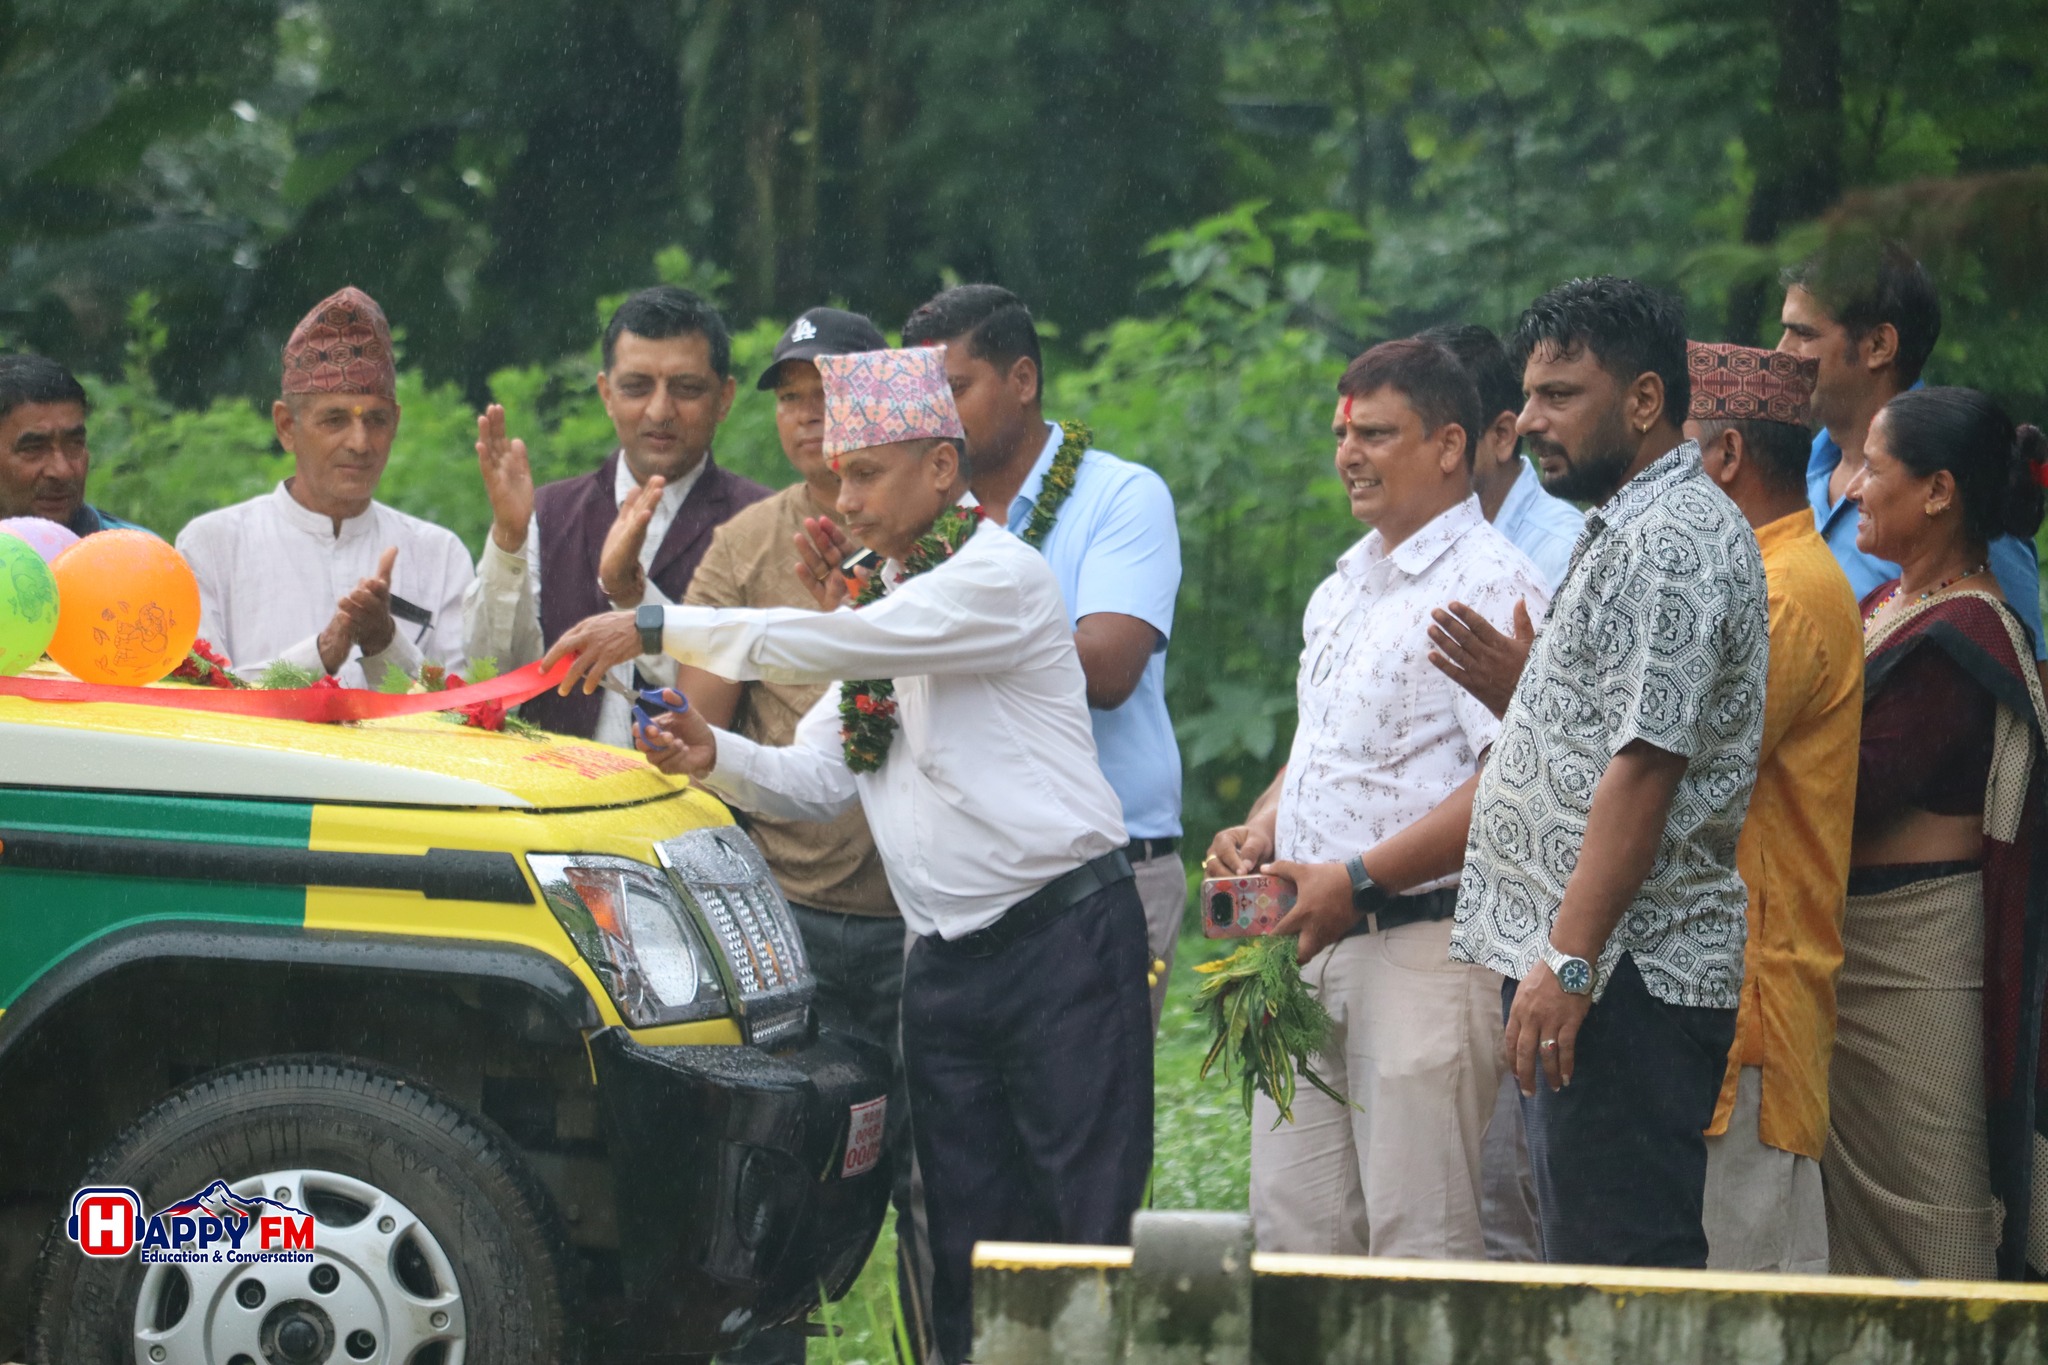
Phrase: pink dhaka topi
(342, 346)
(877, 398)
(1743, 383)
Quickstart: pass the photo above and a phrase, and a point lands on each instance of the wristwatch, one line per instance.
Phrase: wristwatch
(1368, 897)
(650, 617)
(1574, 974)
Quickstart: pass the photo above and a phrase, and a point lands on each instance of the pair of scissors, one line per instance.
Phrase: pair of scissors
(646, 703)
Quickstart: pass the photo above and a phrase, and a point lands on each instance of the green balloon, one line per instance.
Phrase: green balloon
(28, 605)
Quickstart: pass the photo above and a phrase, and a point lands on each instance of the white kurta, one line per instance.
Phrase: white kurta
(991, 787)
(503, 606)
(271, 572)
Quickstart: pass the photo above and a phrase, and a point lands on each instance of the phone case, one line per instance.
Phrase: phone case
(1244, 907)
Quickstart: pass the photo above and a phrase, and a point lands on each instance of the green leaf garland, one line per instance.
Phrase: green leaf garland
(1266, 1021)
(1059, 482)
(867, 710)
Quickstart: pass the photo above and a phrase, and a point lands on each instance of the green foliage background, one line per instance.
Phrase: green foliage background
(180, 180)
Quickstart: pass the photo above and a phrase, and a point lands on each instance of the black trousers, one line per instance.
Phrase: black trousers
(1618, 1155)
(1030, 1091)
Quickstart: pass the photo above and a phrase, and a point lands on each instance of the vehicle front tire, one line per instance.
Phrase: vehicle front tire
(425, 1221)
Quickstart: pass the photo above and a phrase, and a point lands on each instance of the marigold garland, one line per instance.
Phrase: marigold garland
(1059, 482)
(867, 710)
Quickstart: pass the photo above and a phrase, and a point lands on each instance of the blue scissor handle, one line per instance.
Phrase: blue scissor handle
(652, 704)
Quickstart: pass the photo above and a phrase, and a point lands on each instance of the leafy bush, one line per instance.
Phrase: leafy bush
(1228, 392)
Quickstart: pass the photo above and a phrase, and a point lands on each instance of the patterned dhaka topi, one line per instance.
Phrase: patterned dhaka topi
(342, 346)
(877, 398)
(1742, 384)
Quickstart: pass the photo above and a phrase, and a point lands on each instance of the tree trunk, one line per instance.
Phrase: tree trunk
(1798, 153)
(871, 192)
(763, 142)
(810, 43)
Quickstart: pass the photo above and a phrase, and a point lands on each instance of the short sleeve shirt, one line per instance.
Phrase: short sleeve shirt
(1115, 546)
(1659, 633)
(1384, 736)
(1543, 527)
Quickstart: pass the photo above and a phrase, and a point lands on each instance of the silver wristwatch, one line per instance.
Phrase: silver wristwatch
(1574, 974)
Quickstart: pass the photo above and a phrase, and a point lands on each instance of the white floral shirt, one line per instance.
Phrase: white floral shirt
(1659, 632)
(1383, 735)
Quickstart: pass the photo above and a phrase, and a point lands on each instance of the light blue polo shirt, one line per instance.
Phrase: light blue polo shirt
(2013, 561)
(1541, 526)
(1116, 547)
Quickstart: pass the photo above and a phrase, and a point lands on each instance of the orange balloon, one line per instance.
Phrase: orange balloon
(127, 608)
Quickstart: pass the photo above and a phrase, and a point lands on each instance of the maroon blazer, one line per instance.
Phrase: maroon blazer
(574, 515)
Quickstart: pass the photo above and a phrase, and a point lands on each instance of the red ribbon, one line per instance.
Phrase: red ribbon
(327, 704)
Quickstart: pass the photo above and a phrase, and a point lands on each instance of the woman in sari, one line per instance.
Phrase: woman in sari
(1934, 1092)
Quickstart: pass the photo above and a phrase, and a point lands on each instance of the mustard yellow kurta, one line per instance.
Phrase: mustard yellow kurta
(1794, 851)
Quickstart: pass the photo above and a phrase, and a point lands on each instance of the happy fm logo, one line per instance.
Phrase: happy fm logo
(108, 1222)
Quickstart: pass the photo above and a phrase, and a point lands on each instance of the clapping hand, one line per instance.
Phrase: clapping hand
(363, 617)
(1479, 658)
(618, 563)
(508, 480)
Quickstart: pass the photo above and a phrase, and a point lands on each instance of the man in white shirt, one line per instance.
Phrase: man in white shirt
(631, 531)
(317, 573)
(1026, 1025)
(1369, 820)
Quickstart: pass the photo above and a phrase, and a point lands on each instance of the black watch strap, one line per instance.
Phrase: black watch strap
(650, 617)
(1367, 895)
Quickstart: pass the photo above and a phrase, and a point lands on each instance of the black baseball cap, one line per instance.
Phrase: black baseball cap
(822, 331)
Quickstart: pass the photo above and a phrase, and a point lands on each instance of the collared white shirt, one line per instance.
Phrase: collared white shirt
(1541, 526)
(271, 571)
(504, 606)
(1384, 736)
(991, 786)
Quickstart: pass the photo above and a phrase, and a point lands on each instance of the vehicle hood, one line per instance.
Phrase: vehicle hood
(414, 761)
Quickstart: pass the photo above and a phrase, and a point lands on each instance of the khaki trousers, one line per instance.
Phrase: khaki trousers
(1417, 1048)
(1163, 891)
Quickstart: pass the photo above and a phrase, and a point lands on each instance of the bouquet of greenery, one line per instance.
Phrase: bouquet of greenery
(1266, 1021)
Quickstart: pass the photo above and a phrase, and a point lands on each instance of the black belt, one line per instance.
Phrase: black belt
(1041, 907)
(1430, 906)
(1144, 850)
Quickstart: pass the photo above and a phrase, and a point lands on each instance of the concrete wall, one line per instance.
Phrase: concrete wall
(1035, 1305)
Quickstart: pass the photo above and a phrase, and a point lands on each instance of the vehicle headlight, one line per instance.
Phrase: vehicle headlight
(720, 873)
(634, 931)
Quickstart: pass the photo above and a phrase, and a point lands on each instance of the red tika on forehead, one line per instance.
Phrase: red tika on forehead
(342, 346)
(1344, 410)
(1744, 383)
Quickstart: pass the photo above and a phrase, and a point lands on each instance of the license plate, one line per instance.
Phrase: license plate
(864, 1137)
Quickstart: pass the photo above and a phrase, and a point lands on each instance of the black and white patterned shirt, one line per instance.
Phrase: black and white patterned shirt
(1659, 633)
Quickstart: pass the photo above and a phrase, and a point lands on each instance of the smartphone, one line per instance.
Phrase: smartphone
(850, 567)
(1244, 907)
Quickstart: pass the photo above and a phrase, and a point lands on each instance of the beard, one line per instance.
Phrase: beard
(1594, 476)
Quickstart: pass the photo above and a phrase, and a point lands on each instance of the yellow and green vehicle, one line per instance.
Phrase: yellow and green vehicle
(523, 1026)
